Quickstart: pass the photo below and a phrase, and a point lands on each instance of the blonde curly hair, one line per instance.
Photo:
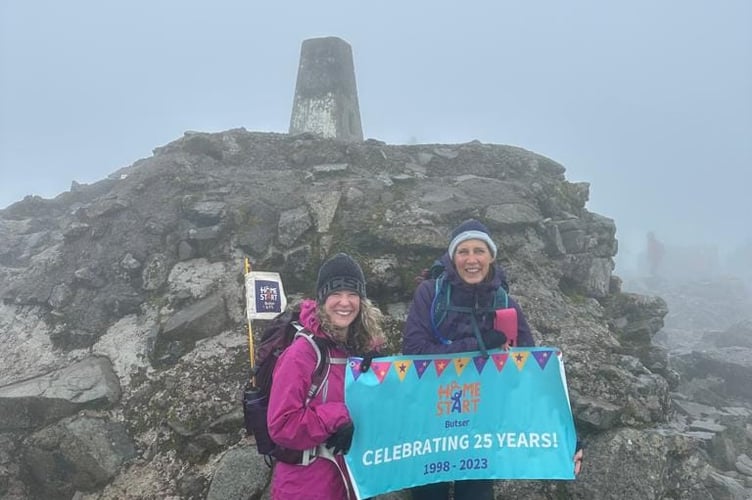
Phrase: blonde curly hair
(365, 334)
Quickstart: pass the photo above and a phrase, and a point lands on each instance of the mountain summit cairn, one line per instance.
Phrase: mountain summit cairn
(326, 95)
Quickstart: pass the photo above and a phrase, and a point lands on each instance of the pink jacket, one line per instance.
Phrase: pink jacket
(294, 425)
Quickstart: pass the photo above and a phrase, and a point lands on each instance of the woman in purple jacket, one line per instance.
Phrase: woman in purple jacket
(474, 279)
(320, 426)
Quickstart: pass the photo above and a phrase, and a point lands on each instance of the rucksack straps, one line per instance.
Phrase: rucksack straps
(324, 360)
(442, 304)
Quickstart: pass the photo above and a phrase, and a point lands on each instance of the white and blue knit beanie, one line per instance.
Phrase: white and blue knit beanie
(471, 229)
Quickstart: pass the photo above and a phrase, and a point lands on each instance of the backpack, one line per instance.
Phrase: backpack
(280, 333)
(442, 304)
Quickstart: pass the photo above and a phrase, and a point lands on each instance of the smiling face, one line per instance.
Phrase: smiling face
(341, 308)
(472, 259)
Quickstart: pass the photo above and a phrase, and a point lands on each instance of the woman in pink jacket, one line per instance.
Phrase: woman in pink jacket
(320, 425)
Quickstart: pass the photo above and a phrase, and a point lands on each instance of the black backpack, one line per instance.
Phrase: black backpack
(282, 331)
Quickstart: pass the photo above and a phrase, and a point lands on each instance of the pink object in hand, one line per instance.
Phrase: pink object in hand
(506, 321)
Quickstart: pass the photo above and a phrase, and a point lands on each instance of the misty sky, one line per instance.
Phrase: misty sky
(648, 101)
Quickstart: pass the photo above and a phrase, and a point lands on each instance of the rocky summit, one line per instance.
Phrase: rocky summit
(124, 336)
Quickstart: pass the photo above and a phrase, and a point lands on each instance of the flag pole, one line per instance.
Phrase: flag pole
(251, 354)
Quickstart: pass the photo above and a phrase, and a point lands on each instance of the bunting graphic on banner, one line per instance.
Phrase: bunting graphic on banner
(440, 365)
(402, 368)
(480, 363)
(380, 368)
(542, 357)
(460, 364)
(500, 360)
(520, 358)
(355, 367)
(421, 365)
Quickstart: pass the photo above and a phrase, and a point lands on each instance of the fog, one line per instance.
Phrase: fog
(649, 102)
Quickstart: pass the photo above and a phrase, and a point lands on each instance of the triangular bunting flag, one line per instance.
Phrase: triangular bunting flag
(440, 365)
(460, 364)
(355, 367)
(420, 366)
(402, 367)
(542, 357)
(480, 363)
(520, 358)
(500, 360)
(380, 369)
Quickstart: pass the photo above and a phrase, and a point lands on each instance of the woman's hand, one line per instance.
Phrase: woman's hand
(578, 456)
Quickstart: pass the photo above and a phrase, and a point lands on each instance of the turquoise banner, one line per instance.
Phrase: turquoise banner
(426, 419)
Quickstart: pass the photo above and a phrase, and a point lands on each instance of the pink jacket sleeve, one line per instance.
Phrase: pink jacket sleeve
(292, 423)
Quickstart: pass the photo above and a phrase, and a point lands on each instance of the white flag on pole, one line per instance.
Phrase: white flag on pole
(264, 295)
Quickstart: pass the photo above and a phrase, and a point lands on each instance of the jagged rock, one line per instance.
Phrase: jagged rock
(292, 224)
(155, 272)
(232, 480)
(203, 234)
(196, 278)
(205, 213)
(79, 453)
(201, 319)
(41, 400)
(722, 486)
(744, 464)
(106, 207)
(732, 365)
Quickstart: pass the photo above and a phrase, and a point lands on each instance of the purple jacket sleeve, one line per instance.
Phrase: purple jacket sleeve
(292, 423)
(419, 337)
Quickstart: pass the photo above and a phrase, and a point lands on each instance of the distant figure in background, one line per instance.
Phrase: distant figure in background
(655, 254)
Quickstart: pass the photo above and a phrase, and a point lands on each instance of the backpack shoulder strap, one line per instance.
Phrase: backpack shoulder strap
(441, 303)
(439, 306)
(310, 337)
(501, 301)
(323, 360)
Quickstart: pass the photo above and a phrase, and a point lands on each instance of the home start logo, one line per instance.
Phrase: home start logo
(454, 399)
(267, 296)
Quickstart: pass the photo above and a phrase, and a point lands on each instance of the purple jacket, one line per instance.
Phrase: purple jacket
(419, 337)
(293, 424)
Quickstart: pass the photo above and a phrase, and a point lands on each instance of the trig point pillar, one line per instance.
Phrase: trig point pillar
(326, 96)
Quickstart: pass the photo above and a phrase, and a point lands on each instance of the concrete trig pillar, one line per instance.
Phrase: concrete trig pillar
(326, 95)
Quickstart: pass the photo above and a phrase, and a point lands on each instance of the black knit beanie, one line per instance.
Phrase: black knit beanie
(340, 272)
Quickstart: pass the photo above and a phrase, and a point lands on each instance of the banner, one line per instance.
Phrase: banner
(432, 418)
(264, 295)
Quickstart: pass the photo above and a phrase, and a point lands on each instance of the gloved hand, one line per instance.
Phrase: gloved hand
(367, 358)
(341, 440)
(493, 339)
